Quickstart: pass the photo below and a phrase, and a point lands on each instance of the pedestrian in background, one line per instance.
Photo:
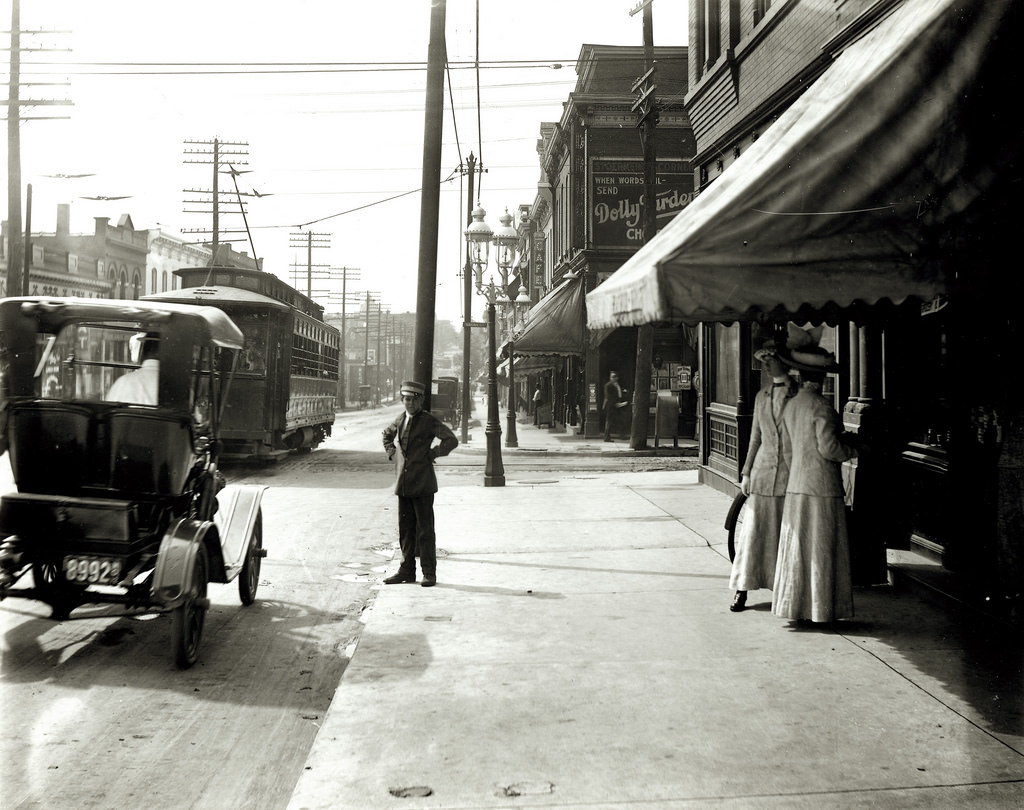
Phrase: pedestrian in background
(812, 573)
(411, 436)
(538, 398)
(614, 401)
(764, 477)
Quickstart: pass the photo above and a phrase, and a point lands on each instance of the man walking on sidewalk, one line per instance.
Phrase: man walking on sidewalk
(614, 400)
(415, 431)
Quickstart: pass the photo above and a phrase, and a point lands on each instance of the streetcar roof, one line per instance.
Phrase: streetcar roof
(216, 325)
(215, 295)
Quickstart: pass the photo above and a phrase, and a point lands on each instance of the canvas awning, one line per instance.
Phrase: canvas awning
(556, 324)
(861, 191)
(533, 363)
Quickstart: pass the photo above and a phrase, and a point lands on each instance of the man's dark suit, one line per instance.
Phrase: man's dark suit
(613, 400)
(416, 485)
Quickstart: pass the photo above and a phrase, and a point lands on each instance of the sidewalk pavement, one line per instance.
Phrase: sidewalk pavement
(578, 652)
(532, 439)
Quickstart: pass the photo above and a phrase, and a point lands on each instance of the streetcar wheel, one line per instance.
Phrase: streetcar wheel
(187, 619)
(249, 577)
(734, 522)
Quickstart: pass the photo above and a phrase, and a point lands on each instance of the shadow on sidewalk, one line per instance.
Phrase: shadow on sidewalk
(946, 651)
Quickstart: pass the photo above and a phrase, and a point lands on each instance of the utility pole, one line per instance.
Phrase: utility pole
(25, 278)
(366, 342)
(19, 257)
(647, 118)
(346, 274)
(366, 337)
(467, 306)
(376, 375)
(215, 153)
(430, 200)
(310, 240)
(15, 245)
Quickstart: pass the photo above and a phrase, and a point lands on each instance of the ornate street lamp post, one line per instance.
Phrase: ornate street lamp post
(506, 238)
(479, 236)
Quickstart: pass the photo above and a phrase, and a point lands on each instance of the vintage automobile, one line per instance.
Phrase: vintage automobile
(119, 497)
(444, 400)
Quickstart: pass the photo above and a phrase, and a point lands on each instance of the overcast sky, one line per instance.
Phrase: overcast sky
(327, 95)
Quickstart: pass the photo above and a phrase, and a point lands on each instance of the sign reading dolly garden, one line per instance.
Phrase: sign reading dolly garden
(617, 199)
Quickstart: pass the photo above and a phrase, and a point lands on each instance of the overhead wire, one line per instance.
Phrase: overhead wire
(458, 149)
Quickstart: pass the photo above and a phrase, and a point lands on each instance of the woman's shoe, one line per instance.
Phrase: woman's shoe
(739, 601)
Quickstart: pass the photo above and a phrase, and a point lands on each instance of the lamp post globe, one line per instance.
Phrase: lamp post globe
(506, 239)
(478, 236)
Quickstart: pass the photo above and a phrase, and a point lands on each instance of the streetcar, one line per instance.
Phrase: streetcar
(120, 499)
(286, 385)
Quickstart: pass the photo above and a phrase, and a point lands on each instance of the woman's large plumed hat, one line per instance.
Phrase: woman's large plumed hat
(802, 351)
(768, 349)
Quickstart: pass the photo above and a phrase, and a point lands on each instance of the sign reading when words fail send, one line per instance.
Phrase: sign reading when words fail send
(617, 198)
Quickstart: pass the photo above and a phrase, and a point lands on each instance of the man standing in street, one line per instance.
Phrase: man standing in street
(411, 436)
(614, 401)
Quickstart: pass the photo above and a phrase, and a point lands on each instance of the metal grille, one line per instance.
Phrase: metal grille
(724, 439)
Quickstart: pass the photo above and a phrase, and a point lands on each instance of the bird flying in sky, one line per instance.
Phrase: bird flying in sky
(101, 197)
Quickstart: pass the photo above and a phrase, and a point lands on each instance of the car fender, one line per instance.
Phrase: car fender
(176, 560)
(237, 508)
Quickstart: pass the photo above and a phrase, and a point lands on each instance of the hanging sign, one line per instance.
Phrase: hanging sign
(617, 198)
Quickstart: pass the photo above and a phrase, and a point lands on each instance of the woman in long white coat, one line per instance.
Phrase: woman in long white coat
(763, 480)
(812, 572)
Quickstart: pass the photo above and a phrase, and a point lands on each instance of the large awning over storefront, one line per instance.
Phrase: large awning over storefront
(861, 191)
(556, 325)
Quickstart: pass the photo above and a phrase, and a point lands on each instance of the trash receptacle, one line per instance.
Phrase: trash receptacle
(666, 418)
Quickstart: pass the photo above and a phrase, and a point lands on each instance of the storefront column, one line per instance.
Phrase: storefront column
(592, 376)
(869, 488)
(853, 348)
(748, 388)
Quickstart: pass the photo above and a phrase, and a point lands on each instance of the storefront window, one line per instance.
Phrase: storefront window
(727, 349)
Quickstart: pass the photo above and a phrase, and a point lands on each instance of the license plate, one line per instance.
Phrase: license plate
(92, 570)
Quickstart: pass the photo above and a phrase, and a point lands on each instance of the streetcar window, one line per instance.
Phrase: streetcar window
(254, 356)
